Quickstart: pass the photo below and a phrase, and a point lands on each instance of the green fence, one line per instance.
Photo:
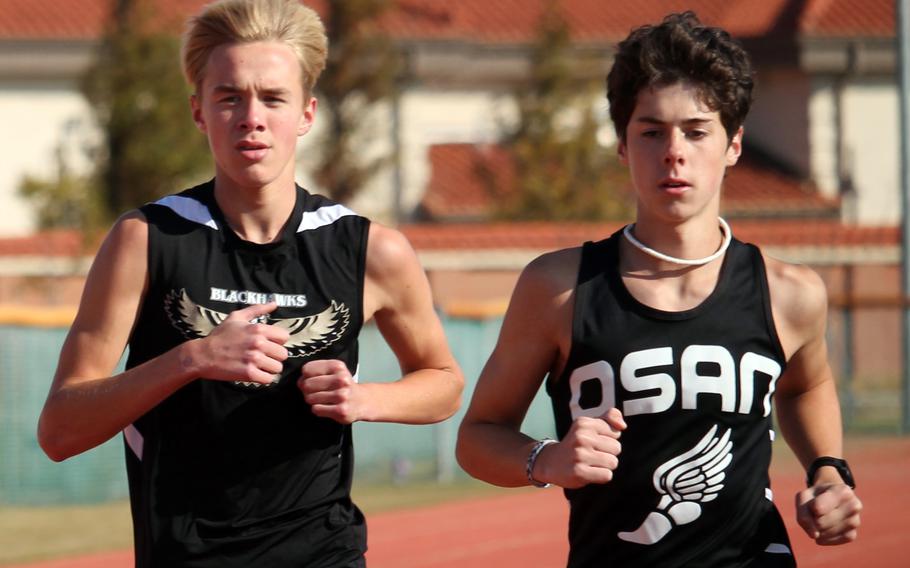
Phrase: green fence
(28, 357)
(384, 452)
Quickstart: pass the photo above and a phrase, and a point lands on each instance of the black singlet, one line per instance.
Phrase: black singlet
(695, 387)
(226, 474)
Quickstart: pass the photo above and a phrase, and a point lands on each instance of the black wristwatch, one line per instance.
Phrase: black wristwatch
(840, 465)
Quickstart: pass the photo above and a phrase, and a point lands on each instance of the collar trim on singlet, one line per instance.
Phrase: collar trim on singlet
(190, 209)
(323, 216)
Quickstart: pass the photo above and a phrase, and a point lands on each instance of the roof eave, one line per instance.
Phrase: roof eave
(45, 59)
(856, 55)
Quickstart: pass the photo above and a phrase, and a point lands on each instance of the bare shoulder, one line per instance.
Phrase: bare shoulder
(799, 302)
(394, 277)
(387, 250)
(131, 229)
(540, 311)
(552, 275)
(120, 268)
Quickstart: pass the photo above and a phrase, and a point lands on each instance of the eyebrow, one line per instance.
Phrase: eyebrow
(688, 121)
(227, 88)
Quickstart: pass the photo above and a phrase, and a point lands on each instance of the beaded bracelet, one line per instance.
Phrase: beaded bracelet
(532, 459)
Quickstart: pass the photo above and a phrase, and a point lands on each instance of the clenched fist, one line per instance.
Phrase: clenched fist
(588, 453)
(240, 350)
(829, 513)
(331, 391)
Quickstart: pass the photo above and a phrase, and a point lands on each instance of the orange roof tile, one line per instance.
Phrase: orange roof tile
(593, 20)
(838, 18)
(457, 188)
(502, 21)
(39, 19)
(77, 19)
(753, 188)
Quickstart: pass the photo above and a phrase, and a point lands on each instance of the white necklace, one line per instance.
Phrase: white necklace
(724, 227)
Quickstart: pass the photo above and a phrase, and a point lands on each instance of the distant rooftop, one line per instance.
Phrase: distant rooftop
(505, 21)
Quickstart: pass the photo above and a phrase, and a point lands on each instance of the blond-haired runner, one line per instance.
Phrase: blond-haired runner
(241, 301)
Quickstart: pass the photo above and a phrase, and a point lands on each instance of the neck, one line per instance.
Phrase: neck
(256, 214)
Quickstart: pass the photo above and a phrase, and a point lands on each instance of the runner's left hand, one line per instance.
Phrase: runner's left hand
(331, 391)
(829, 513)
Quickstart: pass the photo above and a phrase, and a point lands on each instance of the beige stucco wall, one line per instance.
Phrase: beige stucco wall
(872, 129)
(871, 145)
(37, 117)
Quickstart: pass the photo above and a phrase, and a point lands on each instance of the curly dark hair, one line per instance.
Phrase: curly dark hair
(681, 48)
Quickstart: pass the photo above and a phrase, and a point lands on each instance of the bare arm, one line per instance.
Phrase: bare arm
(86, 406)
(806, 397)
(808, 411)
(397, 294)
(534, 340)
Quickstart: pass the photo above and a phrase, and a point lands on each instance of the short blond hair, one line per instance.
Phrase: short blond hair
(246, 21)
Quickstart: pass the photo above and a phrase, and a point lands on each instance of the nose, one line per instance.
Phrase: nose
(251, 117)
(674, 152)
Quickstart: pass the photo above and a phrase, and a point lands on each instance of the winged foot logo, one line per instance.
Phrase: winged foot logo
(684, 483)
(308, 334)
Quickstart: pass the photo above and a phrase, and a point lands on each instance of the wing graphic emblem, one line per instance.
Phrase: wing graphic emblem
(684, 483)
(193, 321)
(308, 334)
(311, 334)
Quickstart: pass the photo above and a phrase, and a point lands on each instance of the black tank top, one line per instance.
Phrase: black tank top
(695, 387)
(231, 474)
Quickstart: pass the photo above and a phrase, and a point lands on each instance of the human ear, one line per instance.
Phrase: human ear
(196, 107)
(307, 117)
(735, 147)
(621, 151)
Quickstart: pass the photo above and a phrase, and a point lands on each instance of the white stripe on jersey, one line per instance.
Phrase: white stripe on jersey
(190, 209)
(322, 217)
(134, 440)
(777, 548)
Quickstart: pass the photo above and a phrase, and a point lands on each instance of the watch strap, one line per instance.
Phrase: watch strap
(837, 463)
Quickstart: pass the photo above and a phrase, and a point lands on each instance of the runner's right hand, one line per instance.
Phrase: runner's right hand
(238, 350)
(588, 453)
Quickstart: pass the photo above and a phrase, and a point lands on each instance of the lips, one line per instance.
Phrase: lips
(674, 185)
(252, 149)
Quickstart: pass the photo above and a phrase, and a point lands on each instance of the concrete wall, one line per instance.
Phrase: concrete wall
(872, 131)
(867, 110)
(37, 118)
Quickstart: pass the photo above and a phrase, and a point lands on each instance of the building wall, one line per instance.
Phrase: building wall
(41, 291)
(478, 293)
(37, 118)
(434, 116)
(778, 123)
(866, 108)
(872, 135)
(823, 162)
